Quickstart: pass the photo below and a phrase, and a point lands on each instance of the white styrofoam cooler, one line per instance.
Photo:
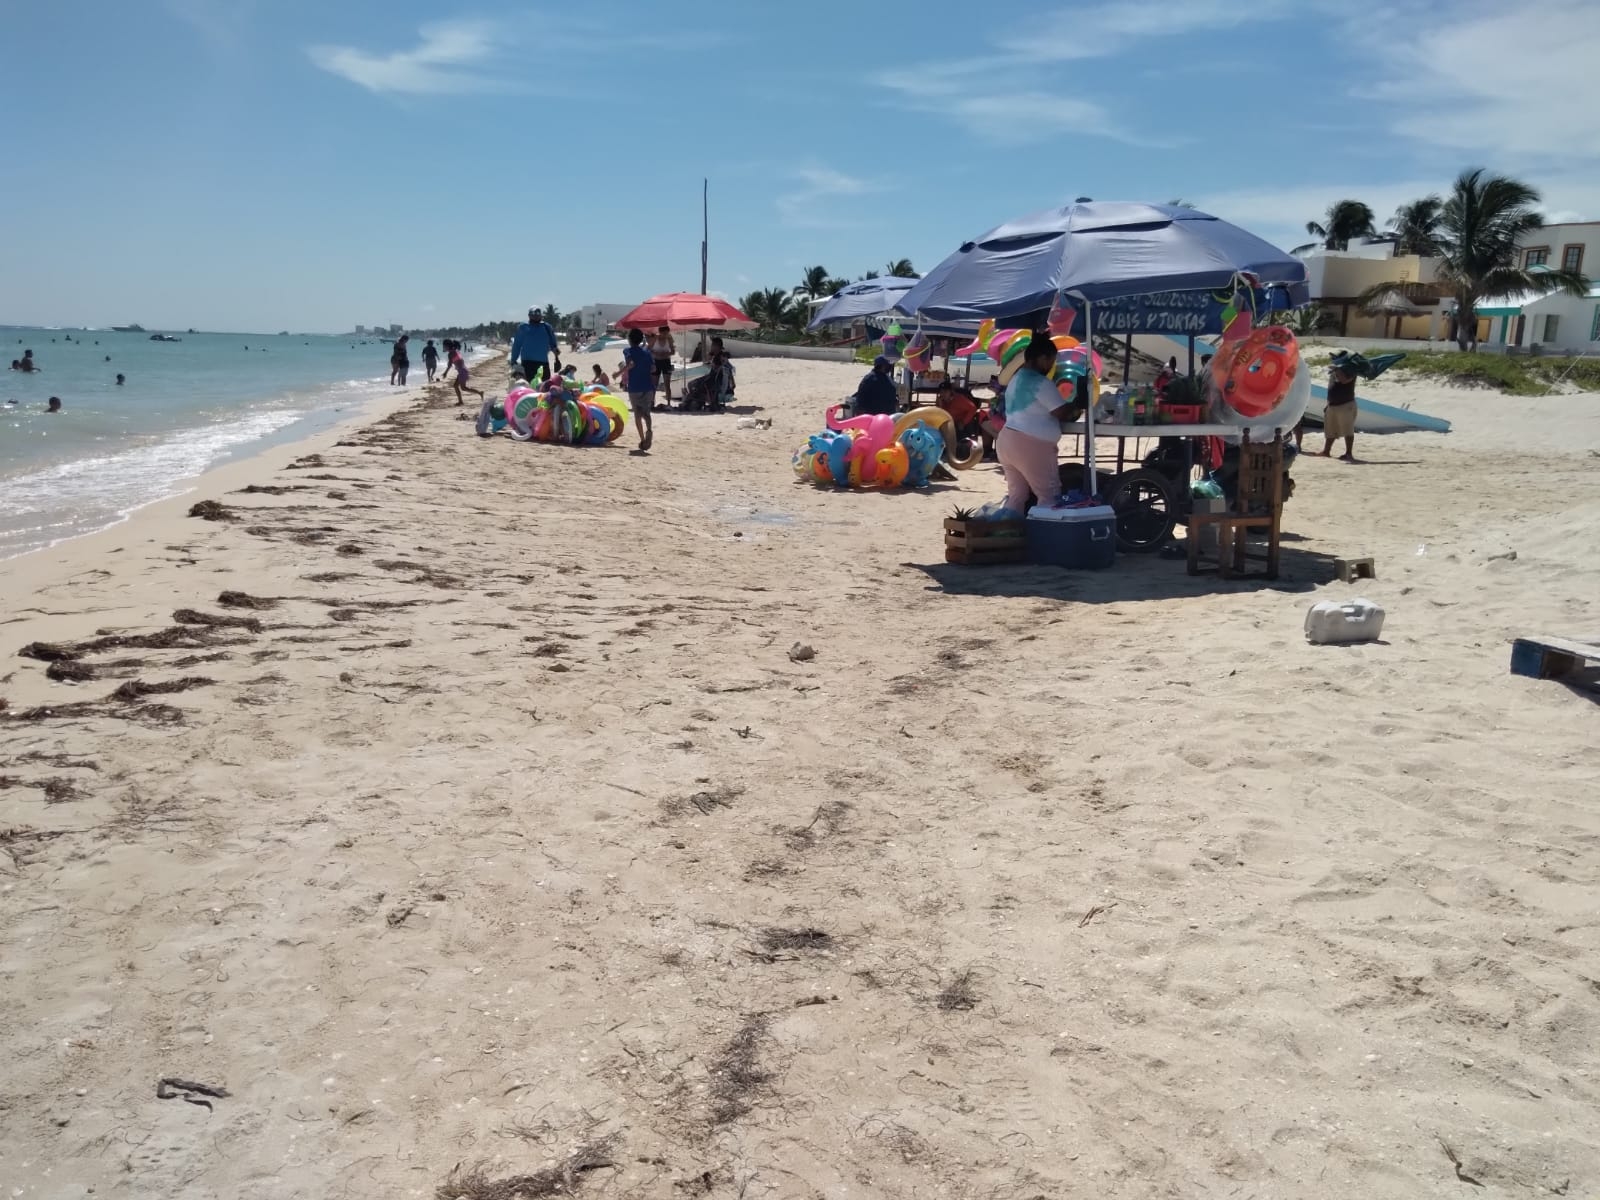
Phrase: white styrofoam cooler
(1332, 622)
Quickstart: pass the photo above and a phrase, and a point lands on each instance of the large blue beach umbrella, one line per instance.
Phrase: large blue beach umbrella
(1099, 252)
(868, 298)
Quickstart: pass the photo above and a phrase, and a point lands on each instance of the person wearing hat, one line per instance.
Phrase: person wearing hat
(877, 392)
(533, 345)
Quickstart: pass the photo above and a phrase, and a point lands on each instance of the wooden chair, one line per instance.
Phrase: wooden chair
(1258, 505)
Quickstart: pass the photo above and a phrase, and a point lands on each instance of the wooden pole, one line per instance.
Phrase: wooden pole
(705, 239)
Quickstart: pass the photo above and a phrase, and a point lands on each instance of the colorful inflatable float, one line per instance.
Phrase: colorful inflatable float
(873, 451)
(557, 413)
(937, 419)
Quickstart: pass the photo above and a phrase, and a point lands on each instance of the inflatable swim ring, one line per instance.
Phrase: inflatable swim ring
(1254, 374)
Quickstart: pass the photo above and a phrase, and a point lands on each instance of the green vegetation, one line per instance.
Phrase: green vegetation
(783, 313)
(1416, 227)
(1520, 375)
(1346, 220)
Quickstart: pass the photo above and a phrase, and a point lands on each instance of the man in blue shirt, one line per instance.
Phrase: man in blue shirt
(877, 393)
(533, 345)
(639, 379)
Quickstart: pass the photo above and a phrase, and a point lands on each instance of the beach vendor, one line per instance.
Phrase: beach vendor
(1339, 416)
(876, 392)
(1034, 414)
(532, 346)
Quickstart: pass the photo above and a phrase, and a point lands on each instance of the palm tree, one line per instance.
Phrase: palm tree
(870, 275)
(814, 283)
(1481, 225)
(777, 309)
(1416, 226)
(1346, 220)
(753, 305)
(900, 268)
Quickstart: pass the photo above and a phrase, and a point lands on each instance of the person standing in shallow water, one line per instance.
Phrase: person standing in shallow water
(430, 359)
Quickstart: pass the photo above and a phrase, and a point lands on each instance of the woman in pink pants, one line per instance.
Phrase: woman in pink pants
(1027, 444)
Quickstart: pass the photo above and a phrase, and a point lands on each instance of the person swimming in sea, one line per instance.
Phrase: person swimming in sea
(121, 379)
(53, 404)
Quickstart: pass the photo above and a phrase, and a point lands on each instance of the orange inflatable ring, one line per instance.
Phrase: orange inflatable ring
(1254, 374)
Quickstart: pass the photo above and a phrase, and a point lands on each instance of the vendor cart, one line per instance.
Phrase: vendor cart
(1148, 489)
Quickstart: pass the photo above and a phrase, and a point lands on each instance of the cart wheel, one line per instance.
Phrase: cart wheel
(1146, 506)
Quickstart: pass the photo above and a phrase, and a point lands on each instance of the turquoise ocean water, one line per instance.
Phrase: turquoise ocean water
(186, 407)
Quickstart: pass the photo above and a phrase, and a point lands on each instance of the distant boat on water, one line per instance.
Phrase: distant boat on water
(127, 329)
(164, 337)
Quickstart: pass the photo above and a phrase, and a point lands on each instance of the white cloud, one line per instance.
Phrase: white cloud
(1280, 214)
(807, 203)
(993, 116)
(1100, 29)
(961, 90)
(448, 59)
(1513, 84)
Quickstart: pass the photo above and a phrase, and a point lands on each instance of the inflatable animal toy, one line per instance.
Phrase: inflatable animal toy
(923, 448)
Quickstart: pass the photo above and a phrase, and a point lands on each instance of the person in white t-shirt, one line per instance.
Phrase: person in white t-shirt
(1027, 445)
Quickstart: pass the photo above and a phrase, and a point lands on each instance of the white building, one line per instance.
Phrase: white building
(597, 318)
(361, 330)
(1552, 322)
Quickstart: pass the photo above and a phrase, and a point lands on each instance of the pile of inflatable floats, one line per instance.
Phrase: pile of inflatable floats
(903, 450)
(558, 411)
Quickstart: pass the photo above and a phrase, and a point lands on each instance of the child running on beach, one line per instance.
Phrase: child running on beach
(639, 377)
(453, 350)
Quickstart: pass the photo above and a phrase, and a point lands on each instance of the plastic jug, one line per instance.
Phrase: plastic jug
(1332, 623)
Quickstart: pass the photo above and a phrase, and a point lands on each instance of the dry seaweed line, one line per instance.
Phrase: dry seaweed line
(232, 599)
(563, 1179)
(960, 994)
(174, 637)
(736, 1075)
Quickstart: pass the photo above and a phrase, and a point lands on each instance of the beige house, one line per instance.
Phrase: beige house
(1338, 278)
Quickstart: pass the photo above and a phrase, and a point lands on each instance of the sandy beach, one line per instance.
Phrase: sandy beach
(466, 811)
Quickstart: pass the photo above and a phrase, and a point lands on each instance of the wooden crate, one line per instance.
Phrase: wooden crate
(982, 543)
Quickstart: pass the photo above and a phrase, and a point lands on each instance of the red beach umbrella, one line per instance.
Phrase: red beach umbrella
(685, 310)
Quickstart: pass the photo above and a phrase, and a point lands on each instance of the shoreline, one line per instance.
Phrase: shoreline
(265, 450)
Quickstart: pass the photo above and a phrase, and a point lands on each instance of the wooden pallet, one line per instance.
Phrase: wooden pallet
(983, 543)
(1551, 658)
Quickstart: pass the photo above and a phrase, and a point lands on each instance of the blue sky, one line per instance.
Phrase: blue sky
(267, 164)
